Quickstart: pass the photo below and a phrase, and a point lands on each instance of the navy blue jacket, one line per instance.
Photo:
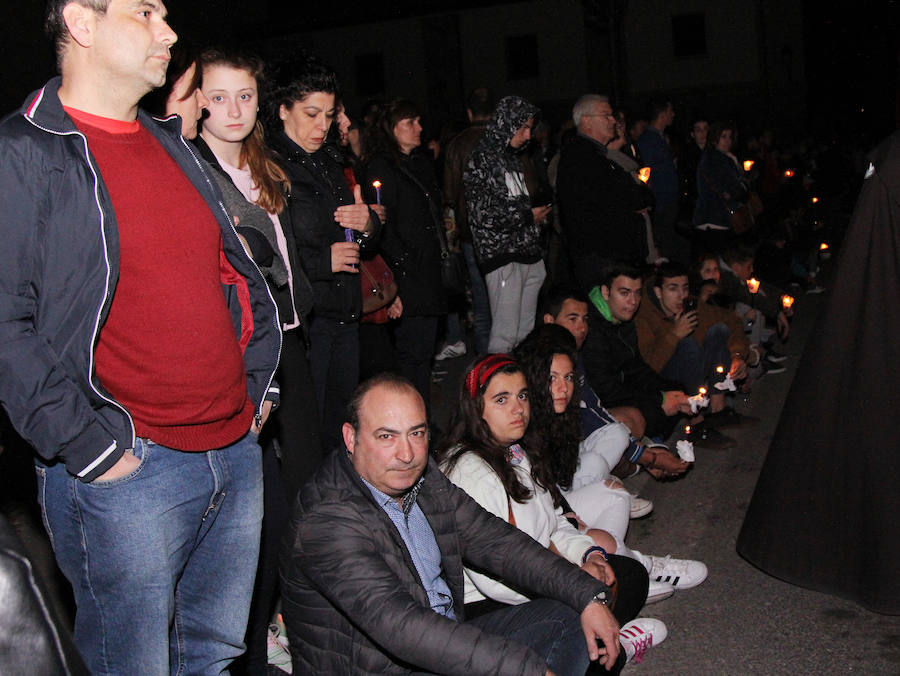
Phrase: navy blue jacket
(57, 280)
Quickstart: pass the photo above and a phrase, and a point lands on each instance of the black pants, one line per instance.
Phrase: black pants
(294, 429)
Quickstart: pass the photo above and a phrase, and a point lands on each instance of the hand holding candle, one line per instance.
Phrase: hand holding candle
(726, 384)
(753, 284)
(377, 185)
(644, 174)
(685, 449)
(787, 301)
(698, 401)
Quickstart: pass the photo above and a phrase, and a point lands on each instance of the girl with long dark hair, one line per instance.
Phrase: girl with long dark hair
(491, 455)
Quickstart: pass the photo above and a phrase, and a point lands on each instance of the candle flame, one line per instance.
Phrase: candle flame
(753, 284)
(376, 184)
(787, 301)
(644, 174)
(815, 200)
(702, 391)
(823, 246)
(748, 165)
(789, 173)
(720, 369)
(687, 429)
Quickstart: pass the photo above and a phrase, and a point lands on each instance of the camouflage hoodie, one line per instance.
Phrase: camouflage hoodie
(497, 199)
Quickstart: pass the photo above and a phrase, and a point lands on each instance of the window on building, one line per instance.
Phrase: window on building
(689, 35)
(370, 74)
(522, 57)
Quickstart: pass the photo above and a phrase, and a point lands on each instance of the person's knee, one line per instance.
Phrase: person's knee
(632, 418)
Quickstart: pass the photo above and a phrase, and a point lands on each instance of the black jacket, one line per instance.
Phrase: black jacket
(614, 366)
(354, 603)
(318, 187)
(61, 247)
(598, 202)
(409, 243)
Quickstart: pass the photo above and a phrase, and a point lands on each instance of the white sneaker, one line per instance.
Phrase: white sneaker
(640, 506)
(680, 573)
(451, 351)
(658, 591)
(639, 635)
(277, 653)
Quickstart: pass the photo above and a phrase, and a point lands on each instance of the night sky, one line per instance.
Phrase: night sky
(851, 55)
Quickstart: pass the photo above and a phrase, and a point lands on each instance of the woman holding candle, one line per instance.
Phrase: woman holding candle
(403, 179)
(492, 456)
(332, 227)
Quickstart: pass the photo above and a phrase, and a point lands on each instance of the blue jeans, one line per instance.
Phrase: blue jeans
(162, 560)
(549, 628)
(694, 364)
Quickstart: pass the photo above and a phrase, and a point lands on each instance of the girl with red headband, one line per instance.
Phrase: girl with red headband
(489, 455)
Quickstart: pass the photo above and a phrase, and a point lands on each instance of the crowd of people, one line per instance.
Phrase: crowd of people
(213, 256)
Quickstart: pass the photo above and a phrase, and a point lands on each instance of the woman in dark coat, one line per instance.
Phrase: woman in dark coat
(330, 226)
(719, 189)
(412, 199)
(824, 512)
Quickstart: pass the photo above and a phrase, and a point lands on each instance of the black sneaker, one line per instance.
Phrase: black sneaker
(704, 436)
(772, 367)
(775, 356)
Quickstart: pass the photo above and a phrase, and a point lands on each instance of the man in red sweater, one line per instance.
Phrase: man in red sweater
(137, 347)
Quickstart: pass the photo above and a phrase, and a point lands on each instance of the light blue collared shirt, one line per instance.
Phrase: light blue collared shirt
(420, 542)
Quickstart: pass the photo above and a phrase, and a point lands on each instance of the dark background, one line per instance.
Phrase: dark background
(849, 52)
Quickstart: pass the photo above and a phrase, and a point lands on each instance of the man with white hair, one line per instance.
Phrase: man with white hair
(599, 202)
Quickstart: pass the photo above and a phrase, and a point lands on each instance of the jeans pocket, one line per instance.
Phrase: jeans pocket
(42, 500)
(141, 451)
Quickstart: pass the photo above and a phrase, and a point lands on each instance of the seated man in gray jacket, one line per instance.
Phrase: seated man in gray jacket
(372, 571)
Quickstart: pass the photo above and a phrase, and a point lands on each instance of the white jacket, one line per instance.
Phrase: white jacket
(536, 517)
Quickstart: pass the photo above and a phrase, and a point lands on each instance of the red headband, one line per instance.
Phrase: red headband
(484, 369)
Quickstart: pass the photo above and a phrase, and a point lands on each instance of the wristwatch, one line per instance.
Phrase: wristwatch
(601, 597)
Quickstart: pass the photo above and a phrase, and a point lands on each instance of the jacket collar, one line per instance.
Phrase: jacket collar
(44, 109)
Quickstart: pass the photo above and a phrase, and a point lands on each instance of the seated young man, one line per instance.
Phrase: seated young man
(612, 360)
(755, 309)
(608, 433)
(687, 341)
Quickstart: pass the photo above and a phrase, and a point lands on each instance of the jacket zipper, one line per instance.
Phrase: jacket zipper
(104, 303)
(258, 414)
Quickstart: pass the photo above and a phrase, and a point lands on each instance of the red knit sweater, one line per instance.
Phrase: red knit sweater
(168, 350)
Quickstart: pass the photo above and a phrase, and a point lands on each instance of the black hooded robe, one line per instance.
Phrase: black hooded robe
(825, 514)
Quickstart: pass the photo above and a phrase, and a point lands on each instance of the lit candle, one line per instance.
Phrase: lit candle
(644, 174)
(823, 246)
(698, 401)
(815, 200)
(748, 165)
(787, 301)
(789, 173)
(377, 186)
(720, 369)
(753, 284)
(687, 429)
